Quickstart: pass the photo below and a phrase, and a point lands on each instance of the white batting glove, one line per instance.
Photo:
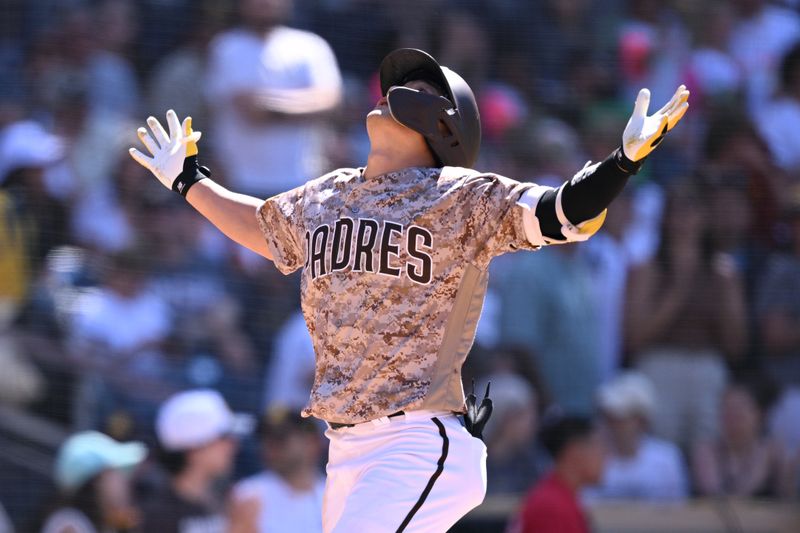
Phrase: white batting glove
(172, 153)
(643, 133)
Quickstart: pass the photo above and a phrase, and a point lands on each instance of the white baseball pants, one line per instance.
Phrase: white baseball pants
(417, 472)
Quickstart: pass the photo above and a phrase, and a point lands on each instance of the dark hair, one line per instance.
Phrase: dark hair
(558, 433)
(760, 387)
(279, 421)
(173, 462)
(790, 67)
(14, 178)
(131, 260)
(524, 364)
(84, 499)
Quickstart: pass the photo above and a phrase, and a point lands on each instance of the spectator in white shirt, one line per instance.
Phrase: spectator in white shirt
(777, 121)
(122, 318)
(267, 87)
(639, 466)
(763, 33)
(712, 71)
(287, 496)
(116, 339)
(113, 84)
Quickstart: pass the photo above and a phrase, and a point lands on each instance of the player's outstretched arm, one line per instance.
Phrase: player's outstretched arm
(577, 209)
(173, 161)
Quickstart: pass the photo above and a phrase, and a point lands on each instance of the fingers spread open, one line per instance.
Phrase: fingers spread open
(174, 125)
(677, 114)
(141, 158)
(642, 103)
(187, 126)
(681, 95)
(194, 137)
(158, 131)
(147, 140)
(190, 137)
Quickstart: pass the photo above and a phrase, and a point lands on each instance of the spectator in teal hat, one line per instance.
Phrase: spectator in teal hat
(91, 474)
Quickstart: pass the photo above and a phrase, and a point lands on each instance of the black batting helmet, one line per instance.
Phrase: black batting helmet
(458, 143)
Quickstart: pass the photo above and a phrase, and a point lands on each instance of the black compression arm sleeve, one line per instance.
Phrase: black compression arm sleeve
(586, 198)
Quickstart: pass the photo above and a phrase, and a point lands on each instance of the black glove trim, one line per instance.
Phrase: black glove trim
(192, 173)
(626, 165)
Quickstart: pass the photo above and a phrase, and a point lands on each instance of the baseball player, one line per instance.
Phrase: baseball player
(394, 259)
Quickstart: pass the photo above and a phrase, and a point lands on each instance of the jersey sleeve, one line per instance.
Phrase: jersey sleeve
(281, 221)
(493, 221)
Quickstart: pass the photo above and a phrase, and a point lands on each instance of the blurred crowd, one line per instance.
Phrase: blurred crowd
(656, 362)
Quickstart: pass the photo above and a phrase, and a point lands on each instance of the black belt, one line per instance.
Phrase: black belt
(336, 425)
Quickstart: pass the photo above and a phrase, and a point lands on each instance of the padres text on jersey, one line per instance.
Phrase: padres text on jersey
(354, 243)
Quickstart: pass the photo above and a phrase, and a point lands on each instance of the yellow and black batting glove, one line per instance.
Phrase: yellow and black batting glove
(174, 156)
(643, 133)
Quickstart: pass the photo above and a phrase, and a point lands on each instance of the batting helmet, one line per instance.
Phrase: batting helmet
(458, 142)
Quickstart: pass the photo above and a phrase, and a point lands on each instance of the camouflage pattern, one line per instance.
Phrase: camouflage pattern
(392, 335)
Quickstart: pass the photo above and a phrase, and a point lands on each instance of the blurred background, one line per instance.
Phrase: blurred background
(675, 331)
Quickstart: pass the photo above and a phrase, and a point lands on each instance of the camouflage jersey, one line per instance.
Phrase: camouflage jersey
(393, 282)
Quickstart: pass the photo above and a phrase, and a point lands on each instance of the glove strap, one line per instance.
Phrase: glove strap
(476, 417)
(626, 165)
(192, 173)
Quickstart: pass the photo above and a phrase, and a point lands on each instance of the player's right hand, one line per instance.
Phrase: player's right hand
(169, 152)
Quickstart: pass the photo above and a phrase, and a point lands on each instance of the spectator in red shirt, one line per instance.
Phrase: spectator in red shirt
(552, 505)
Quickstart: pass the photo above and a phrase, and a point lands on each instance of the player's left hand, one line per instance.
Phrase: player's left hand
(643, 133)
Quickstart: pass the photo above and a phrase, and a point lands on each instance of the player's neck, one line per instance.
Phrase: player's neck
(382, 161)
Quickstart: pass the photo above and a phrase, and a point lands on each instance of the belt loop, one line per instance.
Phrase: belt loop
(382, 421)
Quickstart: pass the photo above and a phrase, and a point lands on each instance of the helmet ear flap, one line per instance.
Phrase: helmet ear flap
(432, 116)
